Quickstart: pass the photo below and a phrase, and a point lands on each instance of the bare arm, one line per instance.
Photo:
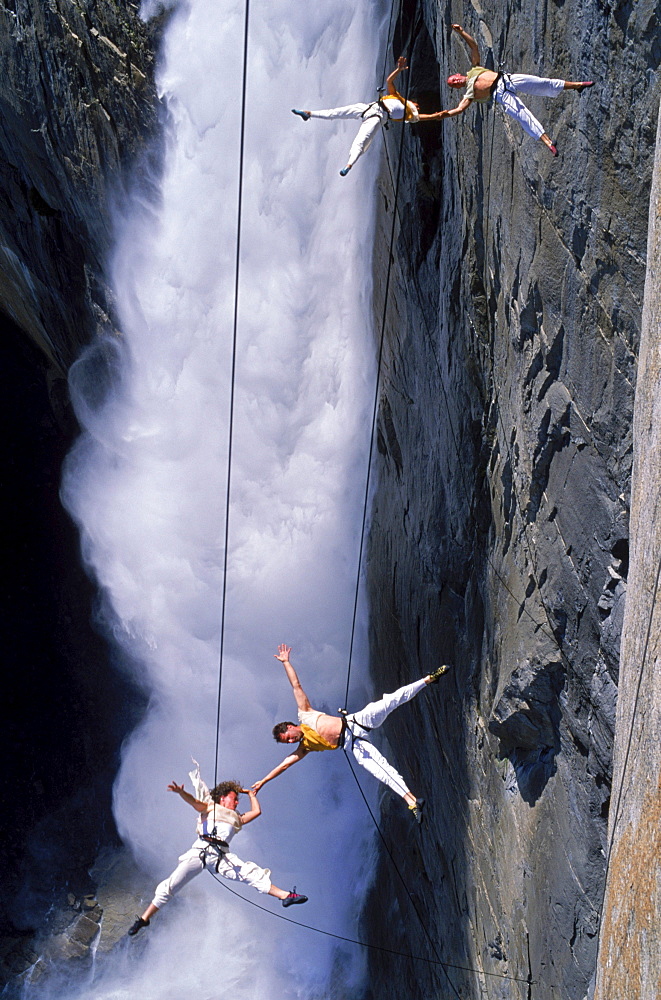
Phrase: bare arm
(197, 804)
(460, 108)
(255, 808)
(390, 82)
(293, 758)
(437, 116)
(470, 42)
(302, 701)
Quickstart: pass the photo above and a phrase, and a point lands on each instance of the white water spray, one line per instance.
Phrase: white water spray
(147, 482)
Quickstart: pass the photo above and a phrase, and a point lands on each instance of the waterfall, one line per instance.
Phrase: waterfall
(146, 483)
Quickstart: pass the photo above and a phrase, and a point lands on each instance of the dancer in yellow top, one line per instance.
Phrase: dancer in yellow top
(317, 731)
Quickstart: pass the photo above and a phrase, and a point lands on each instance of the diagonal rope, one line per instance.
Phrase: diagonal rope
(230, 434)
(375, 407)
(349, 940)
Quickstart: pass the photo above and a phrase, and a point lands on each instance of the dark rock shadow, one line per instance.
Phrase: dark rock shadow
(526, 720)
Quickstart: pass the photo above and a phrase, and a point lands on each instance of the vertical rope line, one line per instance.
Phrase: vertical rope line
(375, 407)
(230, 434)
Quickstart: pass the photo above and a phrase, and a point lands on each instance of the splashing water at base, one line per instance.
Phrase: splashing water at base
(147, 483)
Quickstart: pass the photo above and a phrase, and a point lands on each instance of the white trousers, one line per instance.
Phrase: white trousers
(372, 116)
(511, 85)
(371, 717)
(192, 863)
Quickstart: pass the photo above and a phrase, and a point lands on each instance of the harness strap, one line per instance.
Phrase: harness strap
(375, 114)
(346, 718)
(221, 845)
(215, 841)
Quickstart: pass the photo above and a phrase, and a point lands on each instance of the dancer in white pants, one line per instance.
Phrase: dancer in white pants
(317, 731)
(483, 84)
(218, 822)
(391, 107)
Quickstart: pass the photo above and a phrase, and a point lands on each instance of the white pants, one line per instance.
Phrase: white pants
(371, 717)
(372, 116)
(229, 866)
(511, 85)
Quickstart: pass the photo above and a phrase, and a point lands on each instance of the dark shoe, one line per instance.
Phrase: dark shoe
(302, 114)
(137, 925)
(417, 810)
(344, 171)
(294, 897)
(438, 673)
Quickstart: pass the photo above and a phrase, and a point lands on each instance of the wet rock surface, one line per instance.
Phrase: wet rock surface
(79, 933)
(77, 106)
(499, 537)
(78, 111)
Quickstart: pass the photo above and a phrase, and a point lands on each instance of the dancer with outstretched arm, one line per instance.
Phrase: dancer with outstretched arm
(317, 731)
(392, 107)
(218, 822)
(483, 84)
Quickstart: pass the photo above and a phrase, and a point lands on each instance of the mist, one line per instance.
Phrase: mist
(147, 482)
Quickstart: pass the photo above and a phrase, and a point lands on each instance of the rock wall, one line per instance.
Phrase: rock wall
(76, 107)
(499, 536)
(78, 111)
(629, 953)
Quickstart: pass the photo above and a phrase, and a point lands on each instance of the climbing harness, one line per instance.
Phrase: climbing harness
(220, 846)
(346, 729)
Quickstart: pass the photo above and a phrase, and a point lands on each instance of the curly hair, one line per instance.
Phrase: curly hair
(224, 788)
(281, 729)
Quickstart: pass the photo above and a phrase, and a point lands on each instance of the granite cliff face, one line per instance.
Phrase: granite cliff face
(499, 539)
(77, 110)
(629, 955)
(77, 104)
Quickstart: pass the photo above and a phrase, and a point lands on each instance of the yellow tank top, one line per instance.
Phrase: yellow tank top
(313, 741)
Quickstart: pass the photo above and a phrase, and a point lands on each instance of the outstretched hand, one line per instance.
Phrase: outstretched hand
(401, 63)
(174, 787)
(283, 653)
(256, 787)
(457, 27)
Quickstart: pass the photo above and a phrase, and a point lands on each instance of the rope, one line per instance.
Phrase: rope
(349, 940)
(375, 406)
(237, 263)
(387, 48)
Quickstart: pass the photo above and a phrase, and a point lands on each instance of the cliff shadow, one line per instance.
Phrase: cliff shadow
(526, 721)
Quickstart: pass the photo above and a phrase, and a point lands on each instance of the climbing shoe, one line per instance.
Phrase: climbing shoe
(137, 925)
(344, 171)
(301, 114)
(554, 149)
(438, 673)
(417, 810)
(294, 897)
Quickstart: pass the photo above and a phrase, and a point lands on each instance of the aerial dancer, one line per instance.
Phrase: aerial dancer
(482, 84)
(218, 822)
(317, 731)
(391, 107)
